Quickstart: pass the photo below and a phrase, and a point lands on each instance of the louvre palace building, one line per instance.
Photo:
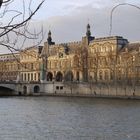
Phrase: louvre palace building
(106, 60)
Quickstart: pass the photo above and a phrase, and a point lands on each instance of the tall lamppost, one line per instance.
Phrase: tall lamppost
(1, 1)
(43, 68)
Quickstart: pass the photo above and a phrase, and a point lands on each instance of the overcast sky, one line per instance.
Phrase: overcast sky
(67, 19)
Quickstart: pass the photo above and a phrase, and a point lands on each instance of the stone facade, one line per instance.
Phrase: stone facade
(103, 58)
(94, 60)
(30, 64)
(97, 60)
(9, 67)
(24, 66)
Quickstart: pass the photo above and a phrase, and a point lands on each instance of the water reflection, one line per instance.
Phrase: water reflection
(60, 118)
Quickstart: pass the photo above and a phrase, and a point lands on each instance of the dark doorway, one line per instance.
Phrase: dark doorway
(69, 76)
(19, 93)
(59, 77)
(77, 75)
(36, 89)
(49, 76)
(24, 90)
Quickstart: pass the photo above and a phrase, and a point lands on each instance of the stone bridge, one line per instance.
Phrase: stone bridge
(13, 88)
(60, 88)
(9, 86)
(31, 88)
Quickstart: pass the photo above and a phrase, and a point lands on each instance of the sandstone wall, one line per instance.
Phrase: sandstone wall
(83, 89)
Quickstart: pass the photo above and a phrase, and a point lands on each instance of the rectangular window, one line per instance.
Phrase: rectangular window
(28, 76)
(25, 77)
(22, 77)
(32, 66)
(31, 76)
(35, 76)
(38, 76)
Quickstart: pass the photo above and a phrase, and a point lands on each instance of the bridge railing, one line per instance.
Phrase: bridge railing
(7, 82)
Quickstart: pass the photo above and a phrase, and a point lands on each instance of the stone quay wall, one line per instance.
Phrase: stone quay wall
(87, 89)
(76, 89)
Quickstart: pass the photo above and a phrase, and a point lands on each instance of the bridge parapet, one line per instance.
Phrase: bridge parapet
(9, 86)
(24, 88)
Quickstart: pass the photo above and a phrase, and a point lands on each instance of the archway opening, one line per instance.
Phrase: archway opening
(69, 76)
(49, 76)
(24, 90)
(36, 89)
(4, 91)
(77, 76)
(59, 77)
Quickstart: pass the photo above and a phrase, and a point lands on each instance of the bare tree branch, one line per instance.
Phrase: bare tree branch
(18, 26)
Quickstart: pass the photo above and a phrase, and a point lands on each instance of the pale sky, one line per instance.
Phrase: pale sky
(67, 19)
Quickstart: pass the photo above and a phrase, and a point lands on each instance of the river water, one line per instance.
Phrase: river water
(66, 118)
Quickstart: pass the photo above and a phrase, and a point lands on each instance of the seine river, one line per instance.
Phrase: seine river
(65, 118)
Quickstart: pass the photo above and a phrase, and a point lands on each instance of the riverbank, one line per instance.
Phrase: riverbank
(92, 90)
(74, 96)
(100, 90)
(87, 96)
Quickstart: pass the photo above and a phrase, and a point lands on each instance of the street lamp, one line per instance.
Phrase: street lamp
(1, 1)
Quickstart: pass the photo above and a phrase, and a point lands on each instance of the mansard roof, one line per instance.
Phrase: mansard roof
(131, 47)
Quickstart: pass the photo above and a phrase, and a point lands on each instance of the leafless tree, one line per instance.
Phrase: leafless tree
(82, 62)
(96, 59)
(112, 64)
(15, 27)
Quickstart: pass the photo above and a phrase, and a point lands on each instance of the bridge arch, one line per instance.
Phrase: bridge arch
(6, 91)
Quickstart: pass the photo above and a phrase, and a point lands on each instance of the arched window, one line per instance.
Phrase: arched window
(49, 76)
(100, 75)
(77, 76)
(111, 75)
(59, 76)
(106, 75)
(69, 76)
(119, 74)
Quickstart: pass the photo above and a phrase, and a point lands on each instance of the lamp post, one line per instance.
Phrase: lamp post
(43, 69)
(1, 1)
